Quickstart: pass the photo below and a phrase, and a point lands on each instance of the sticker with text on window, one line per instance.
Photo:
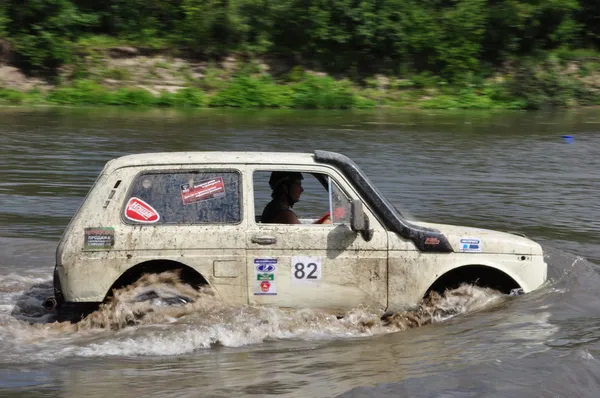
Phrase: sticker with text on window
(204, 190)
(306, 270)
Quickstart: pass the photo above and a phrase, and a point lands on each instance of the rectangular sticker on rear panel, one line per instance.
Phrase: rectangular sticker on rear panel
(204, 190)
(101, 238)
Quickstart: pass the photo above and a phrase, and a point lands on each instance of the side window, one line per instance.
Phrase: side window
(315, 194)
(196, 197)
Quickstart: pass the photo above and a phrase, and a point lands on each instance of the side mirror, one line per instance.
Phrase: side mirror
(357, 218)
(359, 222)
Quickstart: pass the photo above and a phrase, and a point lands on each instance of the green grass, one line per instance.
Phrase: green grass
(118, 74)
(102, 42)
(162, 65)
(98, 42)
(533, 87)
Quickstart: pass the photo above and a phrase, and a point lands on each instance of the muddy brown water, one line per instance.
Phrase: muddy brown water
(506, 171)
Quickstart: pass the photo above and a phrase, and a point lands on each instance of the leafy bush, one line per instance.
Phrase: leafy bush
(131, 97)
(82, 92)
(249, 92)
(189, 97)
(34, 97)
(214, 78)
(425, 79)
(296, 74)
(316, 92)
(87, 92)
(11, 96)
(541, 85)
(362, 102)
(118, 74)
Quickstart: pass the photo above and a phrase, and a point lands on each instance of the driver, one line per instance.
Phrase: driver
(287, 188)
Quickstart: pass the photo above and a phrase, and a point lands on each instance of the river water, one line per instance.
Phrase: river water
(506, 171)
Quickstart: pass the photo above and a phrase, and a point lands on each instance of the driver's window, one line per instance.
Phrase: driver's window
(314, 203)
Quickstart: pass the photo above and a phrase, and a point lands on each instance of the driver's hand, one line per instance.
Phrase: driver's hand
(326, 219)
(338, 212)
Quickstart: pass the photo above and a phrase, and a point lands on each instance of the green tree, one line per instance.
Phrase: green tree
(140, 20)
(212, 27)
(42, 31)
(589, 16)
(462, 31)
(521, 27)
(453, 39)
(3, 22)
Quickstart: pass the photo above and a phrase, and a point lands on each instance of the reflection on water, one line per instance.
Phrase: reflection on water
(506, 171)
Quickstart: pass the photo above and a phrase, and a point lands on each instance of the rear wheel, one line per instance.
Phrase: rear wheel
(152, 298)
(160, 289)
(184, 274)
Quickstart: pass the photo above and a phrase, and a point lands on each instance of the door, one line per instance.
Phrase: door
(312, 265)
(193, 216)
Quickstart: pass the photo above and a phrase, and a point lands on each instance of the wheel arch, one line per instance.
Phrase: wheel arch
(479, 274)
(188, 274)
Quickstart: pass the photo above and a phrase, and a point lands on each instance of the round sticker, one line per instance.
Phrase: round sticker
(264, 286)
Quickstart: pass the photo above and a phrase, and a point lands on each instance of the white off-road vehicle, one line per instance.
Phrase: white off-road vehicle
(199, 212)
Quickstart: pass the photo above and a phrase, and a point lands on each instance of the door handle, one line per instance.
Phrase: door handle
(264, 240)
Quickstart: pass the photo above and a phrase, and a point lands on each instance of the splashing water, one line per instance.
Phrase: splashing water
(438, 308)
(160, 315)
(163, 298)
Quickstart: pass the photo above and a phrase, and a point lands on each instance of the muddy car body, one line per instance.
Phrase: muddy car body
(199, 212)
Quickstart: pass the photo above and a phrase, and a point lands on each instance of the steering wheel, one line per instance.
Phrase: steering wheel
(338, 212)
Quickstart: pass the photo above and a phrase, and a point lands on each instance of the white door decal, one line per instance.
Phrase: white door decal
(265, 276)
(306, 270)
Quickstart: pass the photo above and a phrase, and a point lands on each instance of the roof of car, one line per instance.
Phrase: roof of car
(167, 158)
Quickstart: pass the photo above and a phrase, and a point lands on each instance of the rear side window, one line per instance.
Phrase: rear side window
(203, 197)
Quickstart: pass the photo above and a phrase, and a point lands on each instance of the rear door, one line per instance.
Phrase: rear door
(193, 216)
(313, 265)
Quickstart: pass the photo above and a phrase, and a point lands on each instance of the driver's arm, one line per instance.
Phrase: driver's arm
(287, 217)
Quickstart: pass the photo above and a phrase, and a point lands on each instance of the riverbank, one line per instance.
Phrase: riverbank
(129, 76)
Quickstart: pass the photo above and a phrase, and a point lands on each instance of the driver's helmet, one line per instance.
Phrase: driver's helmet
(281, 177)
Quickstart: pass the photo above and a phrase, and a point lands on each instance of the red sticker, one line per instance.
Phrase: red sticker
(265, 286)
(432, 241)
(204, 190)
(140, 211)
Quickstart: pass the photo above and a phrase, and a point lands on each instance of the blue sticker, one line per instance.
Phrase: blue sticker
(265, 264)
(471, 245)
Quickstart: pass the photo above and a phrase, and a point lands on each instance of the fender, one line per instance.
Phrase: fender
(488, 264)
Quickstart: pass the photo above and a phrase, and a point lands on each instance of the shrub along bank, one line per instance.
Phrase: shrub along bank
(552, 84)
(241, 92)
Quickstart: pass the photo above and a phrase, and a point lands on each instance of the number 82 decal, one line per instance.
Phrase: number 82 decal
(306, 270)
